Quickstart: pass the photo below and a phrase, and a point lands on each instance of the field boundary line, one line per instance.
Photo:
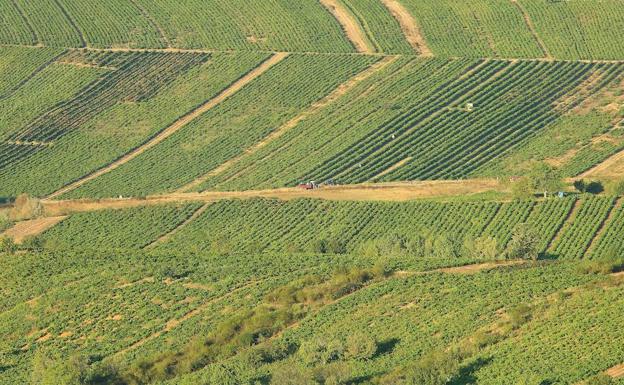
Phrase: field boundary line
(606, 164)
(565, 224)
(379, 192)
(153, 22)
(604, 226)
(72, 23)
(176, 322)
(32, 227)
(165, 237)
(31, 29)
(178, 124)
(353, 30)
(411, 30)
(395, 166)
(32, 75)
(316, 107)
(531, 27)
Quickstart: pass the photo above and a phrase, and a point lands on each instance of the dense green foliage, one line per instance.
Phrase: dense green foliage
(106, 112)
(228, 129)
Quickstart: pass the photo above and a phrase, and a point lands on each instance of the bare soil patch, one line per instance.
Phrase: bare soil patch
(23, 230)
(409, 26)
(354, 31)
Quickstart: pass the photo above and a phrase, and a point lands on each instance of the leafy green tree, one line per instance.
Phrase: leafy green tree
(545, 178)
(320, 351)
(485, 247)
(360, 346)
(522, 189)
(524, 243)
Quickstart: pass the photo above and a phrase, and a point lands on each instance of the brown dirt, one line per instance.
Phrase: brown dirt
(616, 371)
(177, 125)
(22, 230)
(395, 191)
(611, 168)
(354, 31)
(190, 219)
(410, 28)
(313, 109)
(531, 26)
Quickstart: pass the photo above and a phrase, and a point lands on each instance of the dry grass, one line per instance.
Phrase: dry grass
(23, 230)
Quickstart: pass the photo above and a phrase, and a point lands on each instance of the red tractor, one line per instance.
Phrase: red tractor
(308, 186)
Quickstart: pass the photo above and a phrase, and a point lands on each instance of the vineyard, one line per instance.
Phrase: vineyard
(311, 192)
(407, 129)
(566, 227)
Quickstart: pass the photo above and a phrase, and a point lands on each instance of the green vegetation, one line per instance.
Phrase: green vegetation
(130, 109)
(228, 129)
(110, 115)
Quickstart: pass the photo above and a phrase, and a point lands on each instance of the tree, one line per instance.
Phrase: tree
(360, 346)
(524, 243)
(545, 178)
(484, 247)
(522, 189)
(580, 186)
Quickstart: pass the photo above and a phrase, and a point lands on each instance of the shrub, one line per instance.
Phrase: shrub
(7, 245)
(360, 346)
(524, 243)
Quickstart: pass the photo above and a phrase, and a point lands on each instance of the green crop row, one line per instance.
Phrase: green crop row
(299, 226)
(112, 114)
(228, 129)
(578, 233)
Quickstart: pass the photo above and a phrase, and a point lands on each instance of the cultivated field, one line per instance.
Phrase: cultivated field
(332, 192)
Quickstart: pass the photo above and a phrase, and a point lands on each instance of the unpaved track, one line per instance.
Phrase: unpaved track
(316, 107)
(22, 230)
(409, 26)
(531, 27)
(402, 191)
(354, 31)
(177, 125)
(611, 168)
(616, 371)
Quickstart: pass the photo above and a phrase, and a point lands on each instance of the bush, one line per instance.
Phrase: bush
(522, 189)
(360, 346)
(524, 243)
(321, 351)
(520, 315)
(7, 245)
